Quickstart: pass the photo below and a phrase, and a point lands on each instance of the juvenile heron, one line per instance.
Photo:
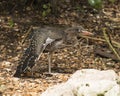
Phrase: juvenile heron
(48, 39)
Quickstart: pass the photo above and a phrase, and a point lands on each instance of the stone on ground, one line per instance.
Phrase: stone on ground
(88, 82)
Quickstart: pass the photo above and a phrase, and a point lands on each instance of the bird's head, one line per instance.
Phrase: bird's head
(78, 30)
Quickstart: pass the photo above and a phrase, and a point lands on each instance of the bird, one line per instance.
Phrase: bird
(48, 39)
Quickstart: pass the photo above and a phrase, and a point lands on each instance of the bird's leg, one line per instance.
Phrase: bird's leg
(49, 62)
(43, 48)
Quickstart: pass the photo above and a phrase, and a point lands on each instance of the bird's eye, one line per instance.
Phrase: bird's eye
(78, 30)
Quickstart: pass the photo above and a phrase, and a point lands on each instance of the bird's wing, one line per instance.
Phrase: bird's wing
(38, 42)
(44, 45)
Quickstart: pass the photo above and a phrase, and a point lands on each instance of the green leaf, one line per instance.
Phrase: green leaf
(45, 6)
(91, 2)
(96, 3)
(44, 14)
(112, 1)
(11, 23)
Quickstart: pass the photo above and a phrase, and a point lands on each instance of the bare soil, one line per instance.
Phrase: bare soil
(14, 25)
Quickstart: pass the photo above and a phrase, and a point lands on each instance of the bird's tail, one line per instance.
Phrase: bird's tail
(27, 61)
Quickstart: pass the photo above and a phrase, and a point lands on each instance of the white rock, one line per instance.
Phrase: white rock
(58, 89)
(114, 91)
(98, 87)
(87, 82)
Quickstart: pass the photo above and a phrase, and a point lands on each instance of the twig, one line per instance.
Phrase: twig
(23, 40)
(116, 44)
(107, 38)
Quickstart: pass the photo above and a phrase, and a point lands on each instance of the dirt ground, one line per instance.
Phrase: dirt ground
(15, 24)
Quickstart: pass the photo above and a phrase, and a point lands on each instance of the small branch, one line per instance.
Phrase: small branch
(26, 35)
(107, 38)
(116, 44)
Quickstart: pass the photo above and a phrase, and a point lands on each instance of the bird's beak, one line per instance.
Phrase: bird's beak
(86, 33)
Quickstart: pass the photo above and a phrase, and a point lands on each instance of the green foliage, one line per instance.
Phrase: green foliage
(112, 1)
(96, 3)
(78, 8)
(46, 9)
(11, 23)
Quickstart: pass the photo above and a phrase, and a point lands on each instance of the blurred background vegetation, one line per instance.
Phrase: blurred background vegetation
(46, 7)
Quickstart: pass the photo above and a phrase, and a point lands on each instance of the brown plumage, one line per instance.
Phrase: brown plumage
(47, 39)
